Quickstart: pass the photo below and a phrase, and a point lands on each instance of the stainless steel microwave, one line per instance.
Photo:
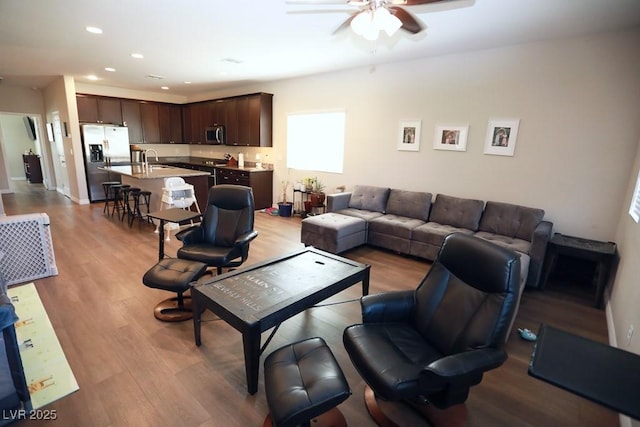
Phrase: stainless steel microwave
(215, 135)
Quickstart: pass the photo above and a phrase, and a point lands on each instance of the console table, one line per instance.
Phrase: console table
(596, 371)
(602, 253)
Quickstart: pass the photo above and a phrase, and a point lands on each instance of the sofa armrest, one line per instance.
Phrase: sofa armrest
(338, 201)
(539, 241)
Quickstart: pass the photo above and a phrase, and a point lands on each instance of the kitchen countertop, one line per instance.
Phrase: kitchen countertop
(154, 172)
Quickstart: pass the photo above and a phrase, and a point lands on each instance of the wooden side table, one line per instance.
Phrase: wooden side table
(602, 253)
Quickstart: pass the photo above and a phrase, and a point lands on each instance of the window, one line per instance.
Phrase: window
(634, 209)
(315, 141)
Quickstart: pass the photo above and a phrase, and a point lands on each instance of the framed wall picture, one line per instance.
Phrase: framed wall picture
(501, 137)
(451, 137)
(409, 135)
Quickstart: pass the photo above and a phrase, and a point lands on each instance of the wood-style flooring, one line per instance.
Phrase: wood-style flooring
(134, 370)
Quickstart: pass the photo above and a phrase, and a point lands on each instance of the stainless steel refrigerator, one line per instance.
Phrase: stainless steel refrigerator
(103, 145)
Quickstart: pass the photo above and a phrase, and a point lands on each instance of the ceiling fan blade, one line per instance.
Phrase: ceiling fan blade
(329, 2)
(414, 2)
(409, 23)
(345, 24)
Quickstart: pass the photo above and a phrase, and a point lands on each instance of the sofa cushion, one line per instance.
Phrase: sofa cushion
(410, 204)
(510, 220)
(513, 243)
(394, 225)
(360, 213)
(457, 212)
(369, 198)
(434, 233)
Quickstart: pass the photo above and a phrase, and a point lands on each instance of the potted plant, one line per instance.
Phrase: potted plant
(284, 207)
(317, 194)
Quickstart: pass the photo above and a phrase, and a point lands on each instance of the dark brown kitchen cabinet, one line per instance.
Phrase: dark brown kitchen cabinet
(150, 122)
(132, 119)
(187, 134)
(97, 109)
(231, 121)
(170, 123)
(261, 182)
(249, 120)
(216, 112)
(197, 122)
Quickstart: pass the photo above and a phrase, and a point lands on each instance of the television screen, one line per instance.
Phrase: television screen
(31, 127)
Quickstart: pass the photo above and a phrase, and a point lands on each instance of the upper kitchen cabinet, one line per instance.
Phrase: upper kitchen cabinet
(98, 109)
(249, 120)
(216, 114)
(150, 122)
(132, 119)
(193, 123)
(170, 123)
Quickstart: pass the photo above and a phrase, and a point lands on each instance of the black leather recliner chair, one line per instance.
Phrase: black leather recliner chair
(429, 346)
(222, 239)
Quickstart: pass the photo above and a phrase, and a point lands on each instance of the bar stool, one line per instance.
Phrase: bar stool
(116, 191)
(127, 201)
(140, 198)
(106, 186)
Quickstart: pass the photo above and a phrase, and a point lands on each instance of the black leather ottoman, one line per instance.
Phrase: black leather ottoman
(304, 382)
(176, 275)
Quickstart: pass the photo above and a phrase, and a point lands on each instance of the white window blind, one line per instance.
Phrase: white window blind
(634, 209)
(315, 141)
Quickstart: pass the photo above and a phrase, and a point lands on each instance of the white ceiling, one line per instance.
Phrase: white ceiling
(216, 44)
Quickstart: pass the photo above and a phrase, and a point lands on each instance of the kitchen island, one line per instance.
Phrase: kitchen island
(152, 179)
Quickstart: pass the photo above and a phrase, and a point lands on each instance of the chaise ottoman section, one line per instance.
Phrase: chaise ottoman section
(333, 232)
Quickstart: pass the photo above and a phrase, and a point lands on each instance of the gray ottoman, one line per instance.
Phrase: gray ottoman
(333, 232)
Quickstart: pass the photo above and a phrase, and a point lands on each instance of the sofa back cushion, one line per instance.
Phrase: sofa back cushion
(369, 198)
(510, 220)
(411, 204)
(462, 213)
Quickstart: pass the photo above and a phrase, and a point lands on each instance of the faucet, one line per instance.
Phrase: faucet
(145, 162)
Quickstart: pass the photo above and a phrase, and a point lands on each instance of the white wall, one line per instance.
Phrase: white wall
(23, 101)
(16, 142)
(625, 293)
(577, 101)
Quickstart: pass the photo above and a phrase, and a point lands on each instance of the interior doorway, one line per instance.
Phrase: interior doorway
(20, 134)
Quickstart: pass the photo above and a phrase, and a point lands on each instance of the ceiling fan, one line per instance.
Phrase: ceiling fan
(374, 16)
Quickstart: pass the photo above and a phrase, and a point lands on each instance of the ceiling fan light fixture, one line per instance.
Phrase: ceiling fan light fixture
(362, 22)
(387, 22)
(369, 23)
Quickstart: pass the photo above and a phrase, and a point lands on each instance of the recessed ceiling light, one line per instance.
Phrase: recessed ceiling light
(231, 60)
(110, 69)
(94, 30)
(92, 77)
(164, 87)
(137, 55)
(187, 83)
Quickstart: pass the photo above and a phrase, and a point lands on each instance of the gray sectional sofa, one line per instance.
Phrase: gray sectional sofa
(413, 223)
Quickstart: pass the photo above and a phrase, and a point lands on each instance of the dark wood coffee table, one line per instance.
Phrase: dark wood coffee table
(262, 296)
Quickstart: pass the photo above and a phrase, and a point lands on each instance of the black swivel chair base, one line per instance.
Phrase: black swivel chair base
(176, 275)
(454, 416)
(174, 310)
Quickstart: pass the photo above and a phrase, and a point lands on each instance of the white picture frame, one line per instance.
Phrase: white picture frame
(451, 137)
(409, 135)
(502, 135)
